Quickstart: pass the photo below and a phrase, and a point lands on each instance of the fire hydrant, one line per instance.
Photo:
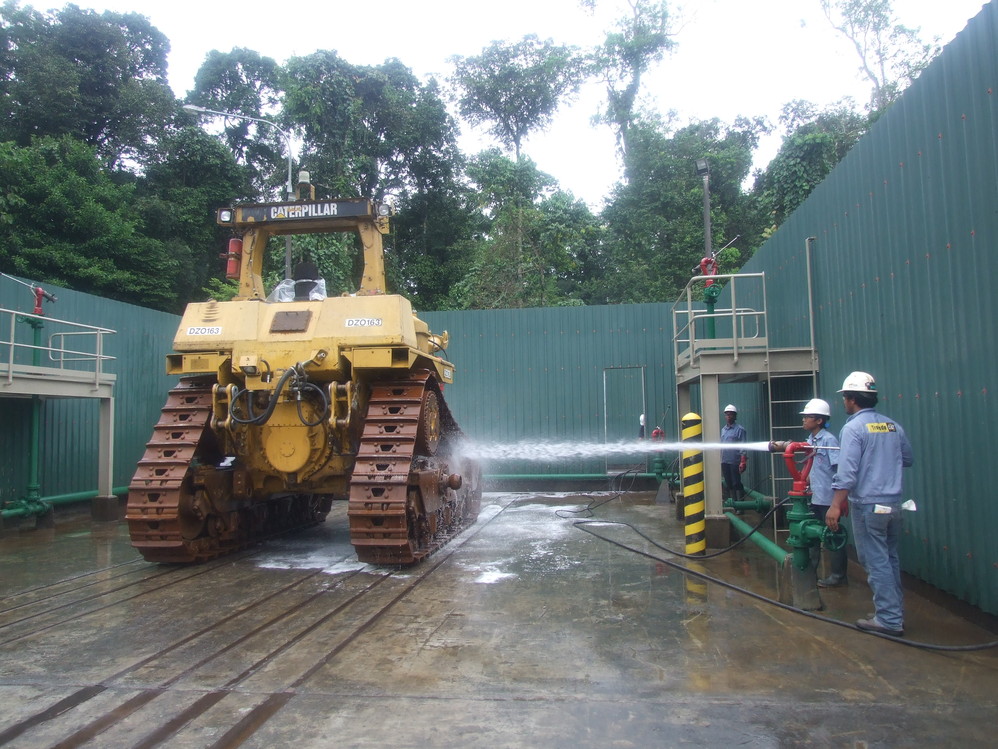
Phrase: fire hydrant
(806, 531)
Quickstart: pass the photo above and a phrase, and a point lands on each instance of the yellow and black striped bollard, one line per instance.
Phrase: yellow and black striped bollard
(694, 507)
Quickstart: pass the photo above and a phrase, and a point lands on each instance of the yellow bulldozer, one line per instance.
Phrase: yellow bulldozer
(289, 401)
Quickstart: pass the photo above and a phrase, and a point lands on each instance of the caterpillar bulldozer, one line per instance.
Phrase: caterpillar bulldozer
(283, 407)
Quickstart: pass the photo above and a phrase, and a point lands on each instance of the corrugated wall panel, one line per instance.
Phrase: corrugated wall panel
(537, 374)
(904, 270)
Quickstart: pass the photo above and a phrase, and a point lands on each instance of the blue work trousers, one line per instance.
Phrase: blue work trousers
(876, 536)
(838, 560)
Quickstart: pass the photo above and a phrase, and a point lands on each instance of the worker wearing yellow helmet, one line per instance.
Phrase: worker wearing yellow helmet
(874, 449)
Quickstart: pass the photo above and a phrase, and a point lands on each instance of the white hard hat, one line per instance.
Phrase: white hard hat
(731, 408)
(859, 382)
(817, 407)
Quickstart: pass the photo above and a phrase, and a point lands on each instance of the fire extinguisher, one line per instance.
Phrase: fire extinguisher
(233, 258)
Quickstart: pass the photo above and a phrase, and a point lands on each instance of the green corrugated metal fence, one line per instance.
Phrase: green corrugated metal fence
(905, 263)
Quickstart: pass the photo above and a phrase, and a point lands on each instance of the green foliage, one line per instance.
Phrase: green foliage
(815, 143)
(107, 186)
(192, 175)
(538, 247)
(432, 243)
(638, 42)
(98, 78)
(502, 183)
(364, 125)
(655, 232)
(335, 256)
(891, 54)
(65, 221)
(516, 88)
(222, 291)
(246, 83)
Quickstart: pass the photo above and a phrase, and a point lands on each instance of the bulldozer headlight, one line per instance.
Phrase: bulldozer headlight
(225, 215)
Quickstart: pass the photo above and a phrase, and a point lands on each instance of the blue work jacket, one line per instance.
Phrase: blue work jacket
(734, 433)
(874, 448)
(823, 467)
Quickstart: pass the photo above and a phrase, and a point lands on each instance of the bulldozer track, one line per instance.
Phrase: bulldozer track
(165, 478)
(399, 511)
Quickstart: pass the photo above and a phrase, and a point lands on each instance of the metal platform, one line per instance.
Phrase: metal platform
(70, 362)
(717, 346)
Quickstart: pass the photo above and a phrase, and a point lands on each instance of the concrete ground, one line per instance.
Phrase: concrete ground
(524, 631)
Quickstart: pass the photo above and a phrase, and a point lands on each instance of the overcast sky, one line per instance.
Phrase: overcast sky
(734, 57)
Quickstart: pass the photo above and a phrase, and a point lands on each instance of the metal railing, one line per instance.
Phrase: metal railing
(70, 342)
(746, 326)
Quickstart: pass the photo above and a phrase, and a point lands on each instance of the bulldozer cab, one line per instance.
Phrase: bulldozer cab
(254, 225)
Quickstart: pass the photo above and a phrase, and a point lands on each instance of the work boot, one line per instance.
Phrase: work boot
(832, 582)
(873, 625)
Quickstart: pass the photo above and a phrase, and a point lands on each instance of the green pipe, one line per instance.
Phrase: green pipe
(65, 499)
(758, 505)
(23, 508)
(774, 550)
(17, 512)
(34, 484)
(575, 476)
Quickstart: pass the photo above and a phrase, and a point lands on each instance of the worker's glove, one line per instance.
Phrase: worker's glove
(742, 465)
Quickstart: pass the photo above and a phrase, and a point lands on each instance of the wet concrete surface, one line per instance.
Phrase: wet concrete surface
(525, 631)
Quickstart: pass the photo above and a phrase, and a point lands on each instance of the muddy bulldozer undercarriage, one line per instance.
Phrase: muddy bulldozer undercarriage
(186, 504)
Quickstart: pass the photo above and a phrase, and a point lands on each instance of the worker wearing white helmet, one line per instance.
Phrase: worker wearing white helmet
(815, 418)
(733, 461)
(874, 449)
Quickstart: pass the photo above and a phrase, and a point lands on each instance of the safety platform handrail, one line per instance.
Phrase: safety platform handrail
(57, 348)
(748, 325)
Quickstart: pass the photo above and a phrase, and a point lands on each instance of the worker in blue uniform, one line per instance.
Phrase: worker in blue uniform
(874, 449)
(733, 461)
(815, 418)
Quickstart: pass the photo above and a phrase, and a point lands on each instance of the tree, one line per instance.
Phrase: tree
(654, 222)
(432, 244)
(538, 243)
(816, 141)
(516, 88)
(376, 131)
(639, 41)
(99, 78)
(63, 220)
(192, 175)
(363, 126)
(891, 55)
(246, 83)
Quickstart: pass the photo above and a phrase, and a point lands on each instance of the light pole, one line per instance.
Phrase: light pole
(288, 188)
(711, 290)
(703, 170)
